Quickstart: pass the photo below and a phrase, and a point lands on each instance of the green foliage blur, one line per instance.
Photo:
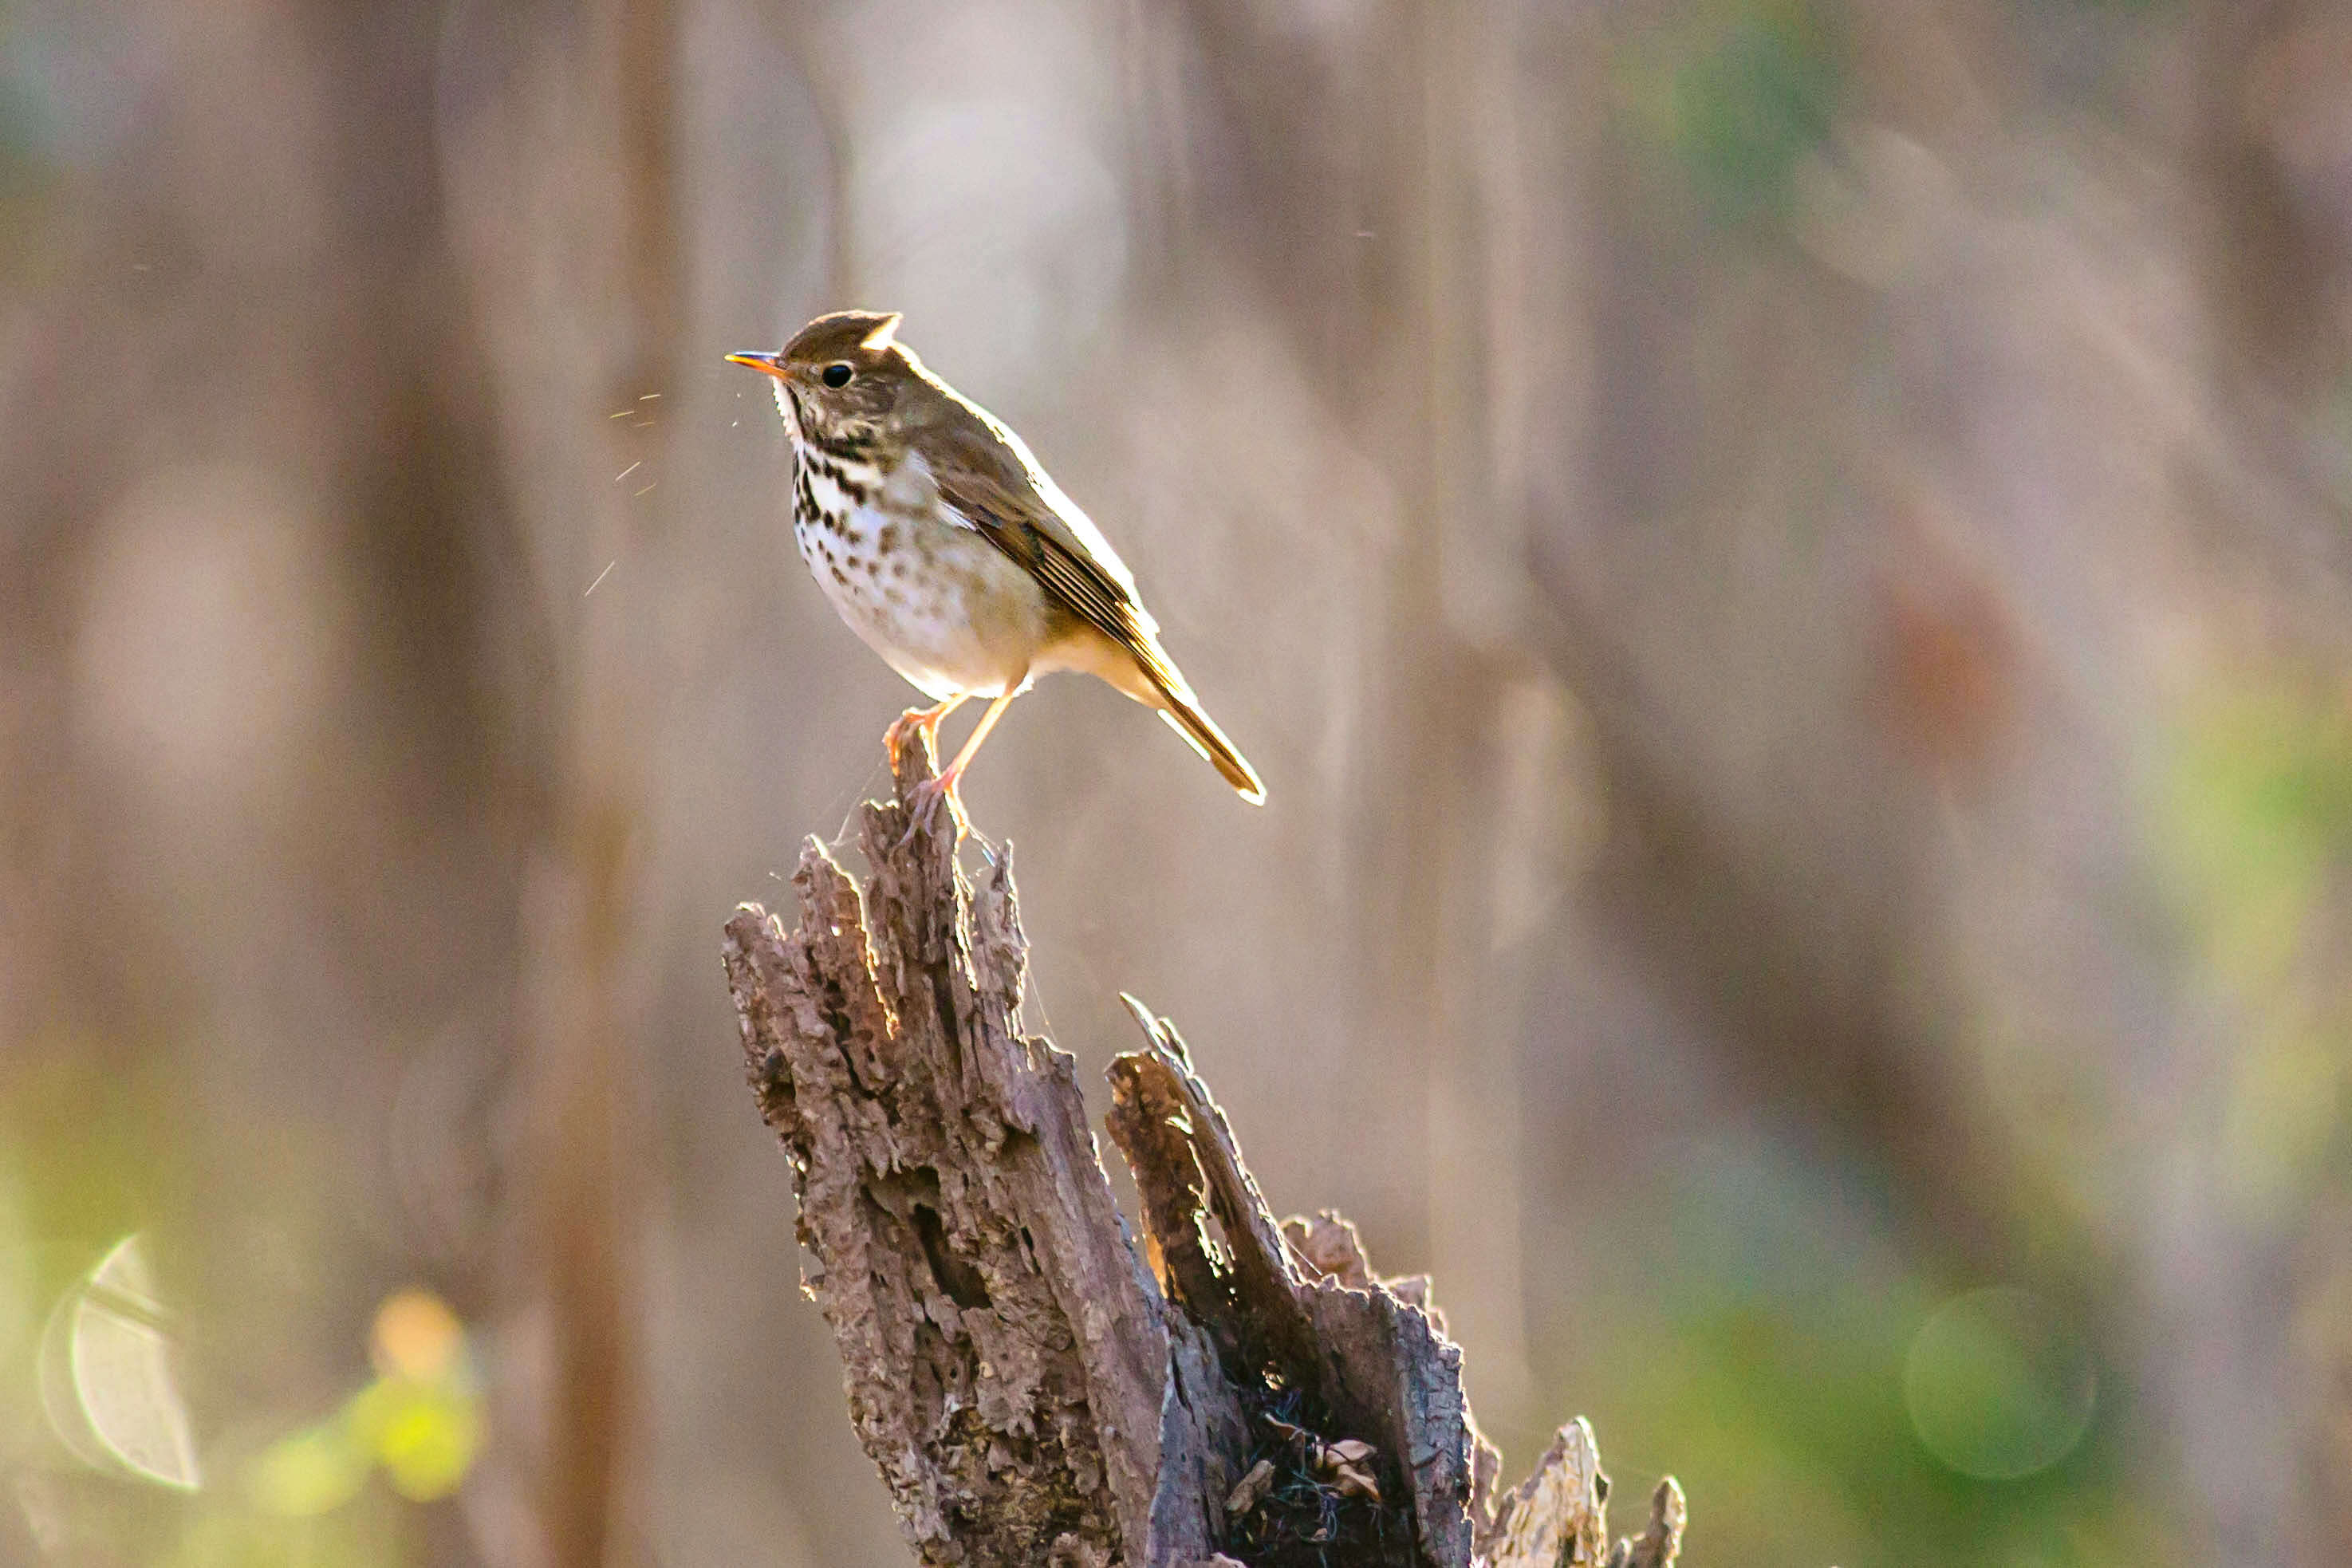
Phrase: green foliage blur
(2255, 837)
(97, 1362)
(1740, 95)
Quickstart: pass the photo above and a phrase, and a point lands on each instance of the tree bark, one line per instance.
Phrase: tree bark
(1033, 1387)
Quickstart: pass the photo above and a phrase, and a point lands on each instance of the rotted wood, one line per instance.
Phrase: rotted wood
(1033, 1387)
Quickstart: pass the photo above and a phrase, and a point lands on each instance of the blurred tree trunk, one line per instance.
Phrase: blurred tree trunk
(2264, 1411)
(558, 149)
(1363, 170)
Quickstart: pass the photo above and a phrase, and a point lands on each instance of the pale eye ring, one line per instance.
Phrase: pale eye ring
(838, 374)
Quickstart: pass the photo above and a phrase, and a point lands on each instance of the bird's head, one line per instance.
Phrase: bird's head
(841, 376)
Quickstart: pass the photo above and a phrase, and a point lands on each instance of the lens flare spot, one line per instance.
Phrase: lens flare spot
(1997, 1386)
(424, 1435)
(313, 1472)
(107, 1385)
(416, 1335)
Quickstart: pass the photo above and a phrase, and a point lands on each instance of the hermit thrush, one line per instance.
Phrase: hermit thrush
(945, 546)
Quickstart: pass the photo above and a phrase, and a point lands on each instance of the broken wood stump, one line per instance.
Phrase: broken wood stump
(1033, 1387)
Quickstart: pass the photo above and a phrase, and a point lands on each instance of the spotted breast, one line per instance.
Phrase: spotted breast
(905, 571)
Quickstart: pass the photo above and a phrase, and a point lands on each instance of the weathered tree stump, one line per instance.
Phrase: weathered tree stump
(1031, 1390)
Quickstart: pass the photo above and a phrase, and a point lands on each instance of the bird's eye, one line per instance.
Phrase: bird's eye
(838, 375)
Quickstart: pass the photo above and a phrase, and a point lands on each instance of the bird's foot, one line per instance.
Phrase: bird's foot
(925, 802)
(915, 724)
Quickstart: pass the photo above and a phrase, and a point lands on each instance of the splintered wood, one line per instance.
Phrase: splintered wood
(1031, 1390)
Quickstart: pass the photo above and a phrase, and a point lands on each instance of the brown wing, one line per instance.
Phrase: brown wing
(983, 472)
(988, 477)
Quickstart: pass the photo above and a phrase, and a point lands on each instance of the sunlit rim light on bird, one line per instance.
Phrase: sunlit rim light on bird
(950, 550)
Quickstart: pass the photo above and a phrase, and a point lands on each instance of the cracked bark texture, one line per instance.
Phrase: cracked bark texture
(1033, 1387)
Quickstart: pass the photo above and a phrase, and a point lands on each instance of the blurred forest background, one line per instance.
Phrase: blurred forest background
(1788, 565)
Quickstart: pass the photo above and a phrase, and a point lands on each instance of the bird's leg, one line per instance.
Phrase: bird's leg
(943, 788)
(923, 721)
(980, 733)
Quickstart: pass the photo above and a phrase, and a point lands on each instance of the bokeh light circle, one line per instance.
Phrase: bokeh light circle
(1997, 1385)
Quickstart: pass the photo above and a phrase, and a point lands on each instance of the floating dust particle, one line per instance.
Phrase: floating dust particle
(632, 469)
(646, 491)
(607, 572)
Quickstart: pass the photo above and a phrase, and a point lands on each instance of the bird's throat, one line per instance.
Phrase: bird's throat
(828, 485)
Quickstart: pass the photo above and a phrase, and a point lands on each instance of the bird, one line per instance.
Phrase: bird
(948, 550)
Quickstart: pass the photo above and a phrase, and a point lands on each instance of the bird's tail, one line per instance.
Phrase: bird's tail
(1183, 711)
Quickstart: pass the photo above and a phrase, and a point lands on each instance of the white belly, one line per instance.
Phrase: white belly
(942, 606)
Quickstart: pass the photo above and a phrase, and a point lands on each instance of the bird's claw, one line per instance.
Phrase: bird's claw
(915, 723)
(924, 803)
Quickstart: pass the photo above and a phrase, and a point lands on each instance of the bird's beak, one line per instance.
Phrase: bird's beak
(771, 363)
